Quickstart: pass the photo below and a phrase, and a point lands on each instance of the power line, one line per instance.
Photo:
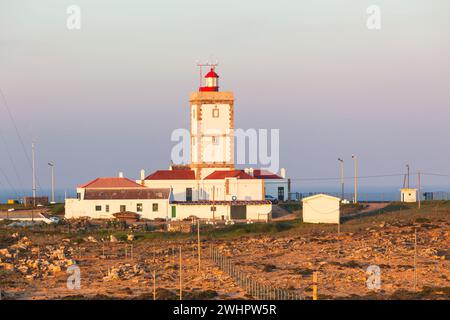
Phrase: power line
(350, 177)
(12, 162)
(9, 182)
(436, 174)
(11, 117)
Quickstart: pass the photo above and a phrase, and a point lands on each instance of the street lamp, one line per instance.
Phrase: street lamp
(52, 166)
(342, 177)
(355, 161)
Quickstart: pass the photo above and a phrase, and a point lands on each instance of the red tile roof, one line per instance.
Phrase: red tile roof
(218, 203)
(264, 174)
(125, 194)
(115, 182)
(222, 174)
(172, 175)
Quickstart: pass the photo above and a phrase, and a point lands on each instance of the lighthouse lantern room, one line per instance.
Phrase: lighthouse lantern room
(211, 81)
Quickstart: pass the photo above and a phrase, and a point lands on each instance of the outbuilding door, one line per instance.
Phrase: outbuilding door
(281, 193)
(238, 212)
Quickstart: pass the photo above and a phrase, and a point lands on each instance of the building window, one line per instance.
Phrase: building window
(78, 195)
(155, 207)
(123, 208)
(215, 113)
(98, 208)
(139, 207)
(107, 208)
(189, 194)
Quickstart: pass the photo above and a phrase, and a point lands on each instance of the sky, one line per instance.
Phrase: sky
(106, 98)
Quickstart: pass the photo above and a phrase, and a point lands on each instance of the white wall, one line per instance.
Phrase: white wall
(408, 195)
(202, 148)
(243, 189)
(321, 210)
(75, 208)
(254, 212)
(271, 187)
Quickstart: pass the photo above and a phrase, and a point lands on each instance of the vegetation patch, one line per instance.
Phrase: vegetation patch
(291, 206)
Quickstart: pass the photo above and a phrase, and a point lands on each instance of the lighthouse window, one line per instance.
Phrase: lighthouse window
(215, 113)
(215, 140)
(193, 113)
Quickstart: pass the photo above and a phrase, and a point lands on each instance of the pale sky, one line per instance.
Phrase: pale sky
(106, 98)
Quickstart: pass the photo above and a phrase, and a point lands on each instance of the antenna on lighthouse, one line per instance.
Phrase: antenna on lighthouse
(205, 64)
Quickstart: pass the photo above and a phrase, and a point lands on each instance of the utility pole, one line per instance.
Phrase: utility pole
(33, 173)
(418, 179)
(415, 259)
(214, 203)
(342, 177)
(52, 167)
(407, 176)
(181, 277)
(199, 247)
(355, 160)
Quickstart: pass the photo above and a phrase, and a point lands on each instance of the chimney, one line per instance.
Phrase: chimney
(247, 170)
(250, 171)
(120, 174)
(142, 174)
(283, 173)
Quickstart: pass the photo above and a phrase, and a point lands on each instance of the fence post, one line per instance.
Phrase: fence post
(181, 281)
(154, 284)
(315, 285)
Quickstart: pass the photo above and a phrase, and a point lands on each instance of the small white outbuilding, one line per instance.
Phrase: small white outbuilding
(408, 195)
(321, 208)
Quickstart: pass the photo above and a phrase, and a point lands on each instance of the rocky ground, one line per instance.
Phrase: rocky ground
(34, 265)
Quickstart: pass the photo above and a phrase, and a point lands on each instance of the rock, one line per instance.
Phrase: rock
(54, 268)
(7, 266)
(5, 253)
(23, 269)
(90, 239)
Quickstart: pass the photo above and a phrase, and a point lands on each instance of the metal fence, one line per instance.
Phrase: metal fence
(253, 288)
(374, 196)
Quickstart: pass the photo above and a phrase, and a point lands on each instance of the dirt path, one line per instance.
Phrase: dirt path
(280, 214)
(374, 206)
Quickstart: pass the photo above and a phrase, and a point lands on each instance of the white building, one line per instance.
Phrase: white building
(103, 197)
(275, 185)
(408, 195)
(210, 187)
(321, 208)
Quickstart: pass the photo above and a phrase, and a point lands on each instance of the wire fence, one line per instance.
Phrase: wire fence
(374, 196)
(252, 287)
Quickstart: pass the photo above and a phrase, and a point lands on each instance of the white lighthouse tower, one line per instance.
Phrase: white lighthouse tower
(212, 125)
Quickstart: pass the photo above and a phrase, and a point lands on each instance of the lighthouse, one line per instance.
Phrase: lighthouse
(212, 125)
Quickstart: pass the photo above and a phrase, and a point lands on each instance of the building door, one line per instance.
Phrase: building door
(189, 194)
(174, 212)
(238, 212)
(281, 193)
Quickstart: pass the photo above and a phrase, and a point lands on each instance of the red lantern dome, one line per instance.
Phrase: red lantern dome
(211, 81)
